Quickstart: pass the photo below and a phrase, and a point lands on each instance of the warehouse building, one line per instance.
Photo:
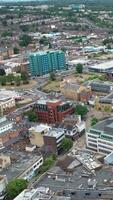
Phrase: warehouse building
(102, 67)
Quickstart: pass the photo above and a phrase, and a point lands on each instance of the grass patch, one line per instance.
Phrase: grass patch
(52, 86)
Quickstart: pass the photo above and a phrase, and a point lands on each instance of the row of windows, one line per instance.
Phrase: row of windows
(94, 131)
(35, 166)
(91, 136)
(93, 145)
(105, 147)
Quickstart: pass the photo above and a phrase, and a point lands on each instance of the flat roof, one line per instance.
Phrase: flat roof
(106, 126)
(40, 128)
(78, 61)
(24, 161)
(105, 65)
(44, 52)
(55, 132)
(45, 101)
(28, 194)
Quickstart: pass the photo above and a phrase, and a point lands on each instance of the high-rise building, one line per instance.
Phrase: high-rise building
(41, 63)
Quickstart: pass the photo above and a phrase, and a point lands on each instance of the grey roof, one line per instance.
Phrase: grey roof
(107, 99)
(72, 85)
(105, 126)
(101, 86)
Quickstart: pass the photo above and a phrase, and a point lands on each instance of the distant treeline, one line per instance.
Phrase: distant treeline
(103, 4)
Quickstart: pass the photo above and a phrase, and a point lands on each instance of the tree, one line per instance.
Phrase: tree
(24, 28)
(66, 144)
(48, 163)
(4, 23)
(10, 78)
(25, 77)
(25, 40)
(81, 110)
(44, 41)
(3, 80)
(2, 72)
(6, 34)
(32, 116)
(15, 187)
(17, 80)
(94, 120)
(16, 50)
(52, 76)
(50, 45)
(79, 68)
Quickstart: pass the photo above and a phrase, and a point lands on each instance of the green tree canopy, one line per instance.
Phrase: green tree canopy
(25, 77)
(94, 120)
(32, 116)
(81, 110)
(66, 144)
(25, 40)
(2, 72)
(52, 76)
(44, 41)
(16, 50)
(17, 80)
(79, 68)
(15, 187)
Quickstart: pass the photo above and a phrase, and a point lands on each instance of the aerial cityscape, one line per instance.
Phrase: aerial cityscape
(56, 100)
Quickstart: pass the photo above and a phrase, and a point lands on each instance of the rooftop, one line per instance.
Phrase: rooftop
(105, 126)
(35, 194)
(45, 101)
(55, 132)
(103, 66)
(43, 52)
(39, 128)
(21, 161)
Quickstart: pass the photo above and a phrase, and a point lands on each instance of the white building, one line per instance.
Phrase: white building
(100, 136)
(102, 67)
(5, 125)
(30, 170)
(6, 103)
(10, 94)
(34, 194)
(3, 183)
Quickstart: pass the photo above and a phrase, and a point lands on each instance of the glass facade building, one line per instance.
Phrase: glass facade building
(41, 63)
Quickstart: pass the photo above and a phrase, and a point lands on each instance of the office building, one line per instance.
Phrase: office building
(41, 63)
(53, 140)
(53, 111)
(100, 136)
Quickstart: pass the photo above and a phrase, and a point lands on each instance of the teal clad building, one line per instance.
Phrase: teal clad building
(41, 63)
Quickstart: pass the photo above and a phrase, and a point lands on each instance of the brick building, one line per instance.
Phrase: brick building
(74, 91)
(10, 132)
(53, 111)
